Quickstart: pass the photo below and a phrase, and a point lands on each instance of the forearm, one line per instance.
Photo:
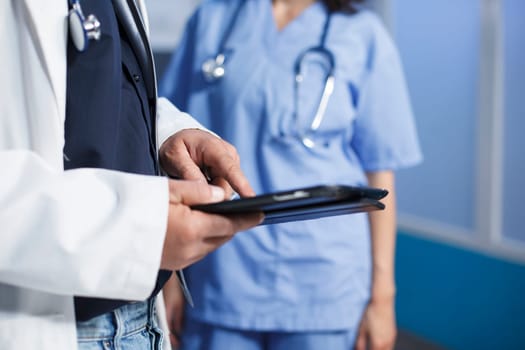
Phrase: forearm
(383, 237)
(90, 232)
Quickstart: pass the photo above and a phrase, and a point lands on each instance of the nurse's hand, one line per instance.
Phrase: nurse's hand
(378, 326)
(174, 302)
(193, 154)
(192, 234)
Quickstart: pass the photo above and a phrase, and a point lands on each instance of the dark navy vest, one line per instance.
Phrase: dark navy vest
(109, 118)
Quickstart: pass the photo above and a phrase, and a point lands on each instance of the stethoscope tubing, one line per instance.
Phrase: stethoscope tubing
(214, 69)
(329, 81)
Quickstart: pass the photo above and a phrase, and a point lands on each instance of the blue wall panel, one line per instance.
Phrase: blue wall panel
(459, 299)
(439, 45)
(514, 144)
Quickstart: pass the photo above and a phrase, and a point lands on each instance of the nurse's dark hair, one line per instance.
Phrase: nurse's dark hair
(342, 5)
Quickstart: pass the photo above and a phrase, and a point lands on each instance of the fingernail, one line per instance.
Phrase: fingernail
(217, 193)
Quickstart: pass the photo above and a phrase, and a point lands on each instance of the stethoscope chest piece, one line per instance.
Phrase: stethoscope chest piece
(82, 29)
(213, 68)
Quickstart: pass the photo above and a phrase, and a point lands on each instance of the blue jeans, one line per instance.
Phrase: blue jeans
(130, 327)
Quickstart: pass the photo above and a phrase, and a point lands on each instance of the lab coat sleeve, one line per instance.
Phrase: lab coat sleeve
(89, 232)
(170, 120)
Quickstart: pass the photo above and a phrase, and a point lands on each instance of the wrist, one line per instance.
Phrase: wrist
(383, 290)
(383, 297)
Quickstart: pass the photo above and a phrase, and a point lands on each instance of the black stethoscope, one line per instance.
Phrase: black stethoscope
(82, 29)
(213, 69)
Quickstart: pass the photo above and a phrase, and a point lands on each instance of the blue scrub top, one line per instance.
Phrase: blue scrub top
(309, 275)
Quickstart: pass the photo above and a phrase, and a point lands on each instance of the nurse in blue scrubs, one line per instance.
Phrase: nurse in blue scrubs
(310, 92)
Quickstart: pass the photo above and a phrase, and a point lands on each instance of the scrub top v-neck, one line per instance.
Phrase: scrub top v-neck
(310, 275)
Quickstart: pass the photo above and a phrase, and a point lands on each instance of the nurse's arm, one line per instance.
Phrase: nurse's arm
(378, 326)
(383, 235)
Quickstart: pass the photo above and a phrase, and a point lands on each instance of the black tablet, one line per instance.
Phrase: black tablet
(303, 203)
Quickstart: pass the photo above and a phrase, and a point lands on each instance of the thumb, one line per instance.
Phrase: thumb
(194, 192)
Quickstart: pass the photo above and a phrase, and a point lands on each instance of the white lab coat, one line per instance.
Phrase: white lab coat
(88, 232)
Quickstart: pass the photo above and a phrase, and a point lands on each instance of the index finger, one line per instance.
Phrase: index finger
(228, 167)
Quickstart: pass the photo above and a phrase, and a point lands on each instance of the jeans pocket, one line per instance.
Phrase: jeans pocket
(156, 337)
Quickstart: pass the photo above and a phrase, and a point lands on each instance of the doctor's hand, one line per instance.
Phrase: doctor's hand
(192, 234)
(378, 326)
(193, 154)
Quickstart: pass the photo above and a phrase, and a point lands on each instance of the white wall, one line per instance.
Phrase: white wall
(167, 19)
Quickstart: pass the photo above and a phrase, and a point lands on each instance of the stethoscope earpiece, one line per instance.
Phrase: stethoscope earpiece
(82, 29)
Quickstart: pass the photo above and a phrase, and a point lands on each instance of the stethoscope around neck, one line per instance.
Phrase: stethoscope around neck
(328, 89)
(214, 69)
(82, 29)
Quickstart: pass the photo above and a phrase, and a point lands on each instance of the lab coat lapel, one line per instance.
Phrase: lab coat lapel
(49, 20)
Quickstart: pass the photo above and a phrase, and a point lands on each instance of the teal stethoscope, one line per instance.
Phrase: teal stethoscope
(82, 29)
(213, 69)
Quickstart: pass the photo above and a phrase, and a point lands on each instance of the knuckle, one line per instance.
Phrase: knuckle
(229, 163)
(183, 169)
(235, 153)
